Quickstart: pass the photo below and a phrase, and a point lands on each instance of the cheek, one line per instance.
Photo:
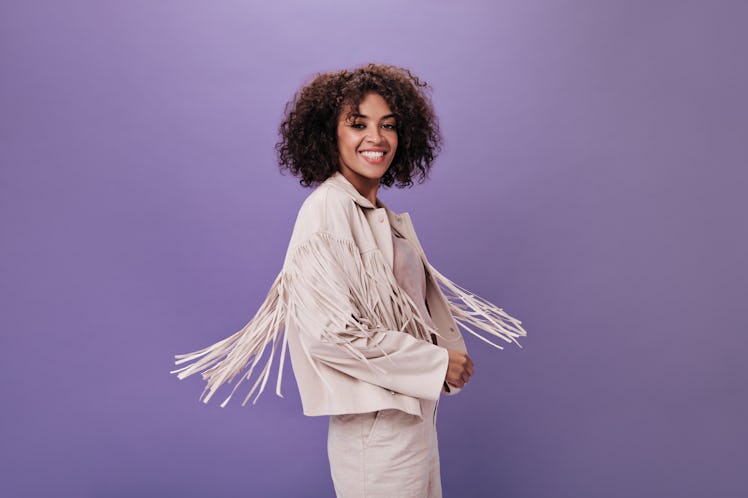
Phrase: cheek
(343, 140)
(344, 152)
(342, 147)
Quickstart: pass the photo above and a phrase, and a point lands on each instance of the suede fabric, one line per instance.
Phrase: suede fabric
(385, 454)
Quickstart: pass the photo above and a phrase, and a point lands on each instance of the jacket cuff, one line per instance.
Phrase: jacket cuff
(440, 382)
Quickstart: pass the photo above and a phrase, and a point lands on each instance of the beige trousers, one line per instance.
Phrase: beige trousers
(387, 454)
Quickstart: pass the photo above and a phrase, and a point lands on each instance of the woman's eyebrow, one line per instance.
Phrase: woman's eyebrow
(357, 115)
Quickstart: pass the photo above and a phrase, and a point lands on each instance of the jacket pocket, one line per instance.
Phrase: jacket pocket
(372, 423)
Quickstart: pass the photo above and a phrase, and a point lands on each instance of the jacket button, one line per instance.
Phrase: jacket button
(381, 218)
(399, 219)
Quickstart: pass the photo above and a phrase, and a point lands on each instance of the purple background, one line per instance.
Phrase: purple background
(593, 183)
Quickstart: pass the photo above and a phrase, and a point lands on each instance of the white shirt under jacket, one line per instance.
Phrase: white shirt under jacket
(357, 341)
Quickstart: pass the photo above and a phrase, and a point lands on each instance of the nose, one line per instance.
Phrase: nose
(374, 135)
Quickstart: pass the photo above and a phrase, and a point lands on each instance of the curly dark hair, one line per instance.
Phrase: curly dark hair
(308, 145)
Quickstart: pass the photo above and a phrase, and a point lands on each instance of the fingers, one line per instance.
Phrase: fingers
(465, 377)
(456, 383)
(460, 370)
(456, 379)
(469, 367)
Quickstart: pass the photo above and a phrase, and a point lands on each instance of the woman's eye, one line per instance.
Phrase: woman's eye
(386, 126)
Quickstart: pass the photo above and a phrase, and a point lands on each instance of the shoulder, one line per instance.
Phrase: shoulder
(326, 197)
(326, 209)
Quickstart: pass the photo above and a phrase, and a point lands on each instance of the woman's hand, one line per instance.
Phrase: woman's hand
(460, 368)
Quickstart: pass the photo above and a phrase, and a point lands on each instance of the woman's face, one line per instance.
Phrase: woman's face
(367, 141)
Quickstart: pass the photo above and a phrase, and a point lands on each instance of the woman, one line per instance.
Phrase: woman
(370, 325)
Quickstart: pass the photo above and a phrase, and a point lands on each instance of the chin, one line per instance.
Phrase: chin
(369, 172)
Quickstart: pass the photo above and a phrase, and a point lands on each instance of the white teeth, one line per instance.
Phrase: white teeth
(372, 154)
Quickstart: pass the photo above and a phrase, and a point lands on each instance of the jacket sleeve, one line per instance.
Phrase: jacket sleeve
(352, 316)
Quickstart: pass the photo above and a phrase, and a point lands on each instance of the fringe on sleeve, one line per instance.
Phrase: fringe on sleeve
(341, 296)
(221, 362)
(332, 293)
(473, 312)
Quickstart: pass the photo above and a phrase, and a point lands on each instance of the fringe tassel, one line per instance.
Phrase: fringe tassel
(330, 292)
(344, 297)
(223, 361)
(472, 311)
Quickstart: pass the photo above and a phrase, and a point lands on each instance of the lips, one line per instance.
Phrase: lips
(372, 154)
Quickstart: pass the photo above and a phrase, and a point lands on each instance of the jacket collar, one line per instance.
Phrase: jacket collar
(341, 182)
(401, 221)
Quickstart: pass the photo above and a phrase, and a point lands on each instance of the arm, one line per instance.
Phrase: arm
(351, 316)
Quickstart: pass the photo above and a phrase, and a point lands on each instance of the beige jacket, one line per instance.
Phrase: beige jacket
(356, 340)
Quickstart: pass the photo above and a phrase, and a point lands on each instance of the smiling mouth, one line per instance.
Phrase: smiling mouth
(370, 154)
